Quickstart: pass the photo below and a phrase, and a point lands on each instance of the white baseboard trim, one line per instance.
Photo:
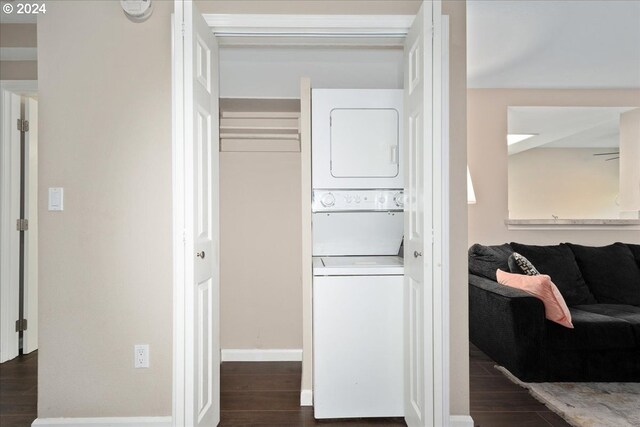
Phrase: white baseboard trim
(261, 355)
(105, 422)
(460, 421)
(306, 398)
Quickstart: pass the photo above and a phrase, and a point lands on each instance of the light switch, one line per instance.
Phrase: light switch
(56, 199)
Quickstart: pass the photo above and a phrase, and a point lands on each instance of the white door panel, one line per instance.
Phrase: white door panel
(418, 122)
(201, 128)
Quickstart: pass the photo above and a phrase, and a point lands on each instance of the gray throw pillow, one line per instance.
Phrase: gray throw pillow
(521, 265)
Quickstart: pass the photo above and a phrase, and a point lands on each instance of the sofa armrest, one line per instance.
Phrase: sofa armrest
(508, 325)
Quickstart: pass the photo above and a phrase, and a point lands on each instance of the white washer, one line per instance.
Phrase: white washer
(357, 336)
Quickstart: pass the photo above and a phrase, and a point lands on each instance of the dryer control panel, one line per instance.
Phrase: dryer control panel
(357, 200)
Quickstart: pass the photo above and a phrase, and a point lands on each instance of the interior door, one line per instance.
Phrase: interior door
(9, 236)
(201, 136)
(418, 221)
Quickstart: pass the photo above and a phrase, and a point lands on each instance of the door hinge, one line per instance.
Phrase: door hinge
(23, 125)
(22, 224)
(21, 325)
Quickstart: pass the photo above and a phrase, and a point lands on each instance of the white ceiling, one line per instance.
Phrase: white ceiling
(553, 44)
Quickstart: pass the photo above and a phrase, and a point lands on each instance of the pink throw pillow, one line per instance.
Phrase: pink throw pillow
(541, 286)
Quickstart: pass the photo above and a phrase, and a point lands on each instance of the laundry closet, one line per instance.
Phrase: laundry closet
(261, 194)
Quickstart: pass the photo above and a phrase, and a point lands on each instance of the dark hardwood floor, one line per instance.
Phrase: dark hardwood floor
(267, 394)
(19, 391)
(497, 402)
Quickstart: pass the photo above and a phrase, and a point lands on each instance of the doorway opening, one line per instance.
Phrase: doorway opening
(19, 223)
(197, 74)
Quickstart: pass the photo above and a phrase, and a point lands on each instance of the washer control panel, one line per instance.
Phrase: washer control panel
(357, 200)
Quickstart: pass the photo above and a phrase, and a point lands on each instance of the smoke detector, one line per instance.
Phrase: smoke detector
(137, 10)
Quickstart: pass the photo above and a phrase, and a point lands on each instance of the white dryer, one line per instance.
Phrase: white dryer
(356, 135)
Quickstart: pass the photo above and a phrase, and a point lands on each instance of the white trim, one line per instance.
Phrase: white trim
(441, 283)
(461, 421)
(105, 422)
(18, 53)
(309, 25)
(306, 397)
(178, 404)
(261, 355)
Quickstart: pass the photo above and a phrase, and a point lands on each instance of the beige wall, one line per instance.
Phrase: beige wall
(18, 70)
(630, 163)
(487, 152)
(459, 311)
(15, 36)
(260, 241)
(105, 261)
(565, 182)
(18, 35)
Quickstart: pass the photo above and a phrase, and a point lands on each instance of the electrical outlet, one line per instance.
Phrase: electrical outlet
(141, 356)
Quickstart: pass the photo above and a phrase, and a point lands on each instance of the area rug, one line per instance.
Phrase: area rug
(588, 404)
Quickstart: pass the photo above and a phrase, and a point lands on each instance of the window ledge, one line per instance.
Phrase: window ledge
(570, 223)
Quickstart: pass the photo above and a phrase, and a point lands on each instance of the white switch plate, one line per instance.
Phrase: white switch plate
(141, 356)
(56, 199)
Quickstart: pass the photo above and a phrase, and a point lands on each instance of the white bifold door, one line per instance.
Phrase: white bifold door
(196, 166)
(425, 337)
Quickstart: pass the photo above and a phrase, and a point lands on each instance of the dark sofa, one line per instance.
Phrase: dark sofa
(601, 286)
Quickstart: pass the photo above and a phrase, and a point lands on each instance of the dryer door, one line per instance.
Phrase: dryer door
(357, 139)
(364, 142)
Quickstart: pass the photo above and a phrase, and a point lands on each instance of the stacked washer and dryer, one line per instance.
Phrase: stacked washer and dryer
(357, 208)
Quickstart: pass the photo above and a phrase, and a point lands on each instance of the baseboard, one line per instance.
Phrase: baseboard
(261, 355)
(105, 422)
(306, 398)
(460, 421)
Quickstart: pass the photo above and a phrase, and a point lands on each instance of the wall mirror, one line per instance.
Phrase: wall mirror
(564, 162)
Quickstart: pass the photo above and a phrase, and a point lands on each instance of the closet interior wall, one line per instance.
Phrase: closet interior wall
(260, 240)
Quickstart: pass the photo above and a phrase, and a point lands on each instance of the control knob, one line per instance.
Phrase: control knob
(327, 200)
(398, 200)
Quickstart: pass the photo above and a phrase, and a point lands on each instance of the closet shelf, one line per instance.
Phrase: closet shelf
(259, 125)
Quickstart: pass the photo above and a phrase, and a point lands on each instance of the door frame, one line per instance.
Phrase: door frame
(319, 30)
(8, 268)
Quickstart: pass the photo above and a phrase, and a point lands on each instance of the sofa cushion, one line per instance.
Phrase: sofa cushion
(628, 313)
(559, 263)
(485, 260)
(611, 272)
(541, 287)
(520, 265)
(635, 250)
(592, 331)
